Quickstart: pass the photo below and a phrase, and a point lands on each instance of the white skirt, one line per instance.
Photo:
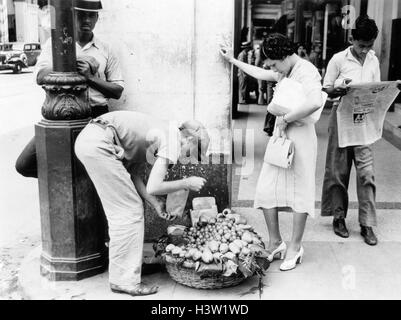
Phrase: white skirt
(294, 188)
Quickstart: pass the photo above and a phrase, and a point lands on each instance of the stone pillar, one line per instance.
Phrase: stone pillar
(26, 20)
(72, 230)
(299, 21)
(3, 21)
(381, 11)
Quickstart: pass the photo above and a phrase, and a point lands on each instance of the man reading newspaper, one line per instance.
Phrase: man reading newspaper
(356, 65)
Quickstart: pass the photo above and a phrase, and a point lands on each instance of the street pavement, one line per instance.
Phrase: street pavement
(20, 105)
(333, 268)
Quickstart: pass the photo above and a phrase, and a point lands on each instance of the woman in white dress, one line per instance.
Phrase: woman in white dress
(291, 189)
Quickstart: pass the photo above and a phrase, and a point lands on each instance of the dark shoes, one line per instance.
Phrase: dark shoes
(340, 228)
(368, 235)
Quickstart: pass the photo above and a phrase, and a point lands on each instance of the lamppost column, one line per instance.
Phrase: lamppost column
(72, 226)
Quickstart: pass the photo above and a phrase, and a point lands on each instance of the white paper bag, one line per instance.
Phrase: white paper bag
(289, 95)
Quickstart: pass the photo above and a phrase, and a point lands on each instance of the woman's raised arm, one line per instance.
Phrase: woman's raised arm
(256, 72)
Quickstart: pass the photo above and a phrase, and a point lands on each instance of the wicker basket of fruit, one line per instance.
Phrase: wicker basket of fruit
(215, 253)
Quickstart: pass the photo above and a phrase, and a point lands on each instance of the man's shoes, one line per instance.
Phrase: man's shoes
(368, 235)
(137, 290)
(340, 228)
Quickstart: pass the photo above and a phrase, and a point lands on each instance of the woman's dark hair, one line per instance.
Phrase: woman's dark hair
(277, 47)
(365, 29)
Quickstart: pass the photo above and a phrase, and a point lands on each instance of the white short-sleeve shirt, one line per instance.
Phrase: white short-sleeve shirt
(344, 65)
(144, 137)
(109, 66)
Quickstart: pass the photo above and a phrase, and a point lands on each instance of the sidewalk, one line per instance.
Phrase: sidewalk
(333, 268)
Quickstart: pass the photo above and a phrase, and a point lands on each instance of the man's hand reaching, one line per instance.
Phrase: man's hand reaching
(159, 204)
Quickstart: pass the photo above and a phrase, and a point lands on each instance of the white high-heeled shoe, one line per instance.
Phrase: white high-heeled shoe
(281, 249)
(290, 264)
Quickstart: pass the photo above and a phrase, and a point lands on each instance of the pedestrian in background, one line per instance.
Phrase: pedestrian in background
(244, 80)
(259, 62)
(301, 51)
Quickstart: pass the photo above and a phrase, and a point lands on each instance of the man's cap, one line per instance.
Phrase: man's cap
(246, 44)
(88, 5)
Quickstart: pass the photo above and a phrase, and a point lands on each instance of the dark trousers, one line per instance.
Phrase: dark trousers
(244, 87)
(262, 88)
(27, 165)
(338, 168)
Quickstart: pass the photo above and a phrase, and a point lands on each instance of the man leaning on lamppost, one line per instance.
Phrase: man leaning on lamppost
(96, 61)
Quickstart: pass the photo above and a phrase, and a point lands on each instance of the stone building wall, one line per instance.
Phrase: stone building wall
(173, 70)
(169, 53)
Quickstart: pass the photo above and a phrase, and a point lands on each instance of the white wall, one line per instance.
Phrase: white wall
(10, 6)
(169, 53)
(382, 11)
(3, 21)
(26, 20)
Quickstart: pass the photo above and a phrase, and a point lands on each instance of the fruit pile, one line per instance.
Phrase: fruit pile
(223, 244)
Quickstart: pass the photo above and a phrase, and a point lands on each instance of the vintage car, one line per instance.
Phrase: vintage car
(32, 52)
(16, 56)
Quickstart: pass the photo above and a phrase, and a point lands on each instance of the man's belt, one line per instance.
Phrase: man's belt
(104, 124)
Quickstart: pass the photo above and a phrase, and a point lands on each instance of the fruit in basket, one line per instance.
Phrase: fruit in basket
(188, 264)
(238, 243)
(224, 243)
(234, 248)
(217, 257)
(224, 248)
(230, 255)
(176, 251)
(207, 256)
(213, 246)
(196, 255)
(247, 236)
(245, 251)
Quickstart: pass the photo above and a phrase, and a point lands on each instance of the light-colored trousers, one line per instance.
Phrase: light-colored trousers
(96, 149)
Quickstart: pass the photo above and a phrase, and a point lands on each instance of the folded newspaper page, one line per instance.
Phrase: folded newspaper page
(361, 113)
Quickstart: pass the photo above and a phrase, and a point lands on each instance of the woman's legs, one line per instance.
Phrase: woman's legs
(271, 217)
(298, 228)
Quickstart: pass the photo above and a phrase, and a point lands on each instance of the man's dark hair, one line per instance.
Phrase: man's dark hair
(277, 47)
(365, 29)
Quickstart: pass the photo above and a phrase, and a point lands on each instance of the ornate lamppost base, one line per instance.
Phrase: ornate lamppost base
(72, 225)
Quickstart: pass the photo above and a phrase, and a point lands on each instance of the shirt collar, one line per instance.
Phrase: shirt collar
(94, 42)
(350, 56)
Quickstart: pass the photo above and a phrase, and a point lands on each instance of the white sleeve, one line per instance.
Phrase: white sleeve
(332, 73)
(377, 72)
(169, 148)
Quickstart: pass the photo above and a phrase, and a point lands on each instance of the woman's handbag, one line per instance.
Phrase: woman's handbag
(270, 120)
(280, 152)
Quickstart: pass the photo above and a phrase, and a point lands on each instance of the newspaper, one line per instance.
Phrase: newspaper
(361, 113)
